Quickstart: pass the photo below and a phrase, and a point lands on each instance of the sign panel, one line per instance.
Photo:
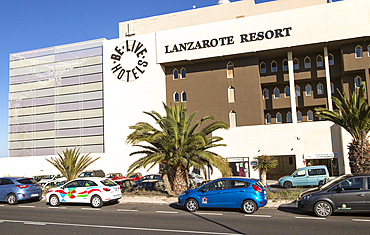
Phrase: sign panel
(320, 155)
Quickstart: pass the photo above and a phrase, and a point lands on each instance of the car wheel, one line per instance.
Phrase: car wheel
(54, 200)
(191, 205)
(96, 202)
(11, 199)
(323, 209)
(287, 184)
(249, 207)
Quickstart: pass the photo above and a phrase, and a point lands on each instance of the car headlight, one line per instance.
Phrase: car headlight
(182, 194)
(307, 197)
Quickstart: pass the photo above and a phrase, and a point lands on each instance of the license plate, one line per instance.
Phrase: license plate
(35, 195)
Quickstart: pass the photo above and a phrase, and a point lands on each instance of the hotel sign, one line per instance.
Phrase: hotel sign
(320, 155)
(228, 40)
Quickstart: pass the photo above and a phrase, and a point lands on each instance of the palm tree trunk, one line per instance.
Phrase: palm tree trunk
(263, 177)
(168, 185)
(359, 158)
(180, 184)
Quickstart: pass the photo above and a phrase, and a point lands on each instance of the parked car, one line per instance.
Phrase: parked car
(39, 177)
(91, 190)
(306, 176)
(127, 185)
(135, 176)
(114, 176)
(347, 193)
(13, 189)
(149, 177)
(92, 173)
(197, 178)
(51, 178)
(233, 192)
(152, 185)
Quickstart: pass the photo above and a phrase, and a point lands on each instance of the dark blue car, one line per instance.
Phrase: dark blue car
(233, 192)
(13, 190)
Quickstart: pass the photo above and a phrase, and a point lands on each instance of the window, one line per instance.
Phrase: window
(300, 173)
(230, 70)
(263, 67)
(331, 59)
(287, 91)
(309, 115)
(265, 94)
(231, 94)
(295, 64)
(320, 90)
(307, 62)
(332, 87)
(352, 184)
(268, 118)
(217, 185)
(183, 73)
(308, 89)
(183, 97)
(278, 118)
(299, 116)
(285, 65)
(368, 50)
(297, 91)
(75, 184)
(276, 93)
(316, 172)
(90, 183)
(232, 116)
(358, 51)
(289, 117)
(357, 81)
(274, 66)
(238, 184)
(319, 62)
(176, 97)
(175, 74)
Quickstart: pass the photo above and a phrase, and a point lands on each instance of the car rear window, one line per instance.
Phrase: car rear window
(108, 182)
(259, 183)
(27, 181)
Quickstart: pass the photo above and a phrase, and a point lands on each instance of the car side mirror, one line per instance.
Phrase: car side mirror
(321, 183)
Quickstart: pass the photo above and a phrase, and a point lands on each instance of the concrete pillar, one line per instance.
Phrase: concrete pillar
(327, 73)
(293, 105)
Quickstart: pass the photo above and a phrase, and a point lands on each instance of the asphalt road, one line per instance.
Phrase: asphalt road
(39, 218)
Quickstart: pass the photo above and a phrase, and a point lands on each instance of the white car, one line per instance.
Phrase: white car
(91, 190)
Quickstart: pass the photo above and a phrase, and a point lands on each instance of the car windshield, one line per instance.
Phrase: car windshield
(108, 182)
(294, 172)
(109, 175)
(48, 177)
(85, 174)
(332, 182)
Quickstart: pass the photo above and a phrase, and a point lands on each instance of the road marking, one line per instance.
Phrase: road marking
(361, 220)
(126, 210)
(91, 209)
(267, 216)
(168, 212)
(208, 213)
(308, 218)
(27, 206)
(2, 205)
(62, 208)
(117, 227)
(34, 223)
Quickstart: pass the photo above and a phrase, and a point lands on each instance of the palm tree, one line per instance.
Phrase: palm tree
(264, 163)
(71, 163)
(353, 114)
(177, 145)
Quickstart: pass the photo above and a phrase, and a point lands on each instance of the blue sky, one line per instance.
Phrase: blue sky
(27, 25)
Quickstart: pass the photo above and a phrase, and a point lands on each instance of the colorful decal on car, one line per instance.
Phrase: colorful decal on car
(344, 207)
(204, 200)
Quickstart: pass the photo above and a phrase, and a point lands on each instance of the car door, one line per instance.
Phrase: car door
(213, 194)
(235, 193)
(5, 188)
(313, 177)
(72, 189)
(367, 194)
(350, 194)
(300, 178)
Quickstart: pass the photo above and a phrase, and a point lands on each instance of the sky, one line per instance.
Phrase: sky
(27, 25)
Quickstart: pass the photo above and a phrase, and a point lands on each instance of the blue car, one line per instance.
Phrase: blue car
(233, 192)
(13, 190)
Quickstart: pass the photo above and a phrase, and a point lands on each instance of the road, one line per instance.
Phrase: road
(39, 218)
